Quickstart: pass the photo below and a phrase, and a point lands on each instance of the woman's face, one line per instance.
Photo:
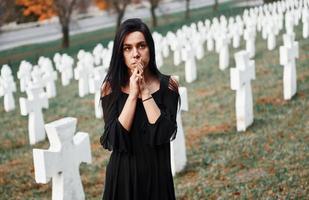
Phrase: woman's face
(135, 49)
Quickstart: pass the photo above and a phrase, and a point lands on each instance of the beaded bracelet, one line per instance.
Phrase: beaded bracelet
(147, 98)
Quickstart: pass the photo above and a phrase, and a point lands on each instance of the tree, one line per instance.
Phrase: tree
(6, 11)
(153, 5)
(45, 9)
(187, 9)
(64, 10)
(120, 7)
(215, 8)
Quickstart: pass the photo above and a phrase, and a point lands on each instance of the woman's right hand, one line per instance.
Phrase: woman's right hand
(134, 87)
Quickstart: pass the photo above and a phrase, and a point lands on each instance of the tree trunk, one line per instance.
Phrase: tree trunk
(65, 36)
(153, 15)
(119, 18)
(187, 9)
(215, 8)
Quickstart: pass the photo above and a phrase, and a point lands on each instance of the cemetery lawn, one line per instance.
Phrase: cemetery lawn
(268, 161)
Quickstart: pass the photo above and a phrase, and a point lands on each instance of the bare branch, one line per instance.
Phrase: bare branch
(119, 6)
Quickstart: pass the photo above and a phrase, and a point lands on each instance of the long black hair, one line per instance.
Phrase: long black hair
(117, 75)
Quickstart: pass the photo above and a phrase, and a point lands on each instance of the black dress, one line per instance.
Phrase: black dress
(139, 167)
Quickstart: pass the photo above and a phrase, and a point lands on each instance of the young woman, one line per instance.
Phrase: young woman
(140, 106)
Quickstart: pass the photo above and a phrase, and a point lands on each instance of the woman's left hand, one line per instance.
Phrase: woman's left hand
(144, 91)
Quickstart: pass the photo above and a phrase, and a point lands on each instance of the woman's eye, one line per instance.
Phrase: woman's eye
(142, 46)
(126, 48)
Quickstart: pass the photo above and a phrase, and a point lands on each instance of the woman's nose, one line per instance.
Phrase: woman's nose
(136, 53)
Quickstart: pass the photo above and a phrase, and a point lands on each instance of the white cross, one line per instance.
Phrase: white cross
(61, 161)
(65, 67)
(190, 64)
(223, 51)
(36, 76)
(305, 20)
(82, 73)
(288, 53)
(95, 84)
(271, 39)
(32, 106)
(249, 36)
(24, 75)
(165, 47)
(289, 22)
(97, 53)
(241, 77)
(57, 60)
(198, 42)
(210, 41)
(49, 78)
(176, 48)
(235, 34)
(7, 87)
(178, 145)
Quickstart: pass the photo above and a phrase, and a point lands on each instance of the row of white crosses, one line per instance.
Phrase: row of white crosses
(102, 56)
(244, 72)
(61, 161)
(270, 24)
(42, 74)
(36, 99)
(86, 63)
(182, 41)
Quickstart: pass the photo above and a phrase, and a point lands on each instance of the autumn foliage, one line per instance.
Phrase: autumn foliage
(43, 9)
(101, 4)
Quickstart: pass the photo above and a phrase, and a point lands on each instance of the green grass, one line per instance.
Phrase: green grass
(268, 161)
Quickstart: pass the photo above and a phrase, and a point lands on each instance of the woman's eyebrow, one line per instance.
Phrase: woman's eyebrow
(141, 42)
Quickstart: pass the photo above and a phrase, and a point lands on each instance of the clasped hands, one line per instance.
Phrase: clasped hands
(138, 87)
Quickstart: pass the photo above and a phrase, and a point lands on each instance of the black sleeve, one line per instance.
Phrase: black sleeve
(115, 136)
(165, 128)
